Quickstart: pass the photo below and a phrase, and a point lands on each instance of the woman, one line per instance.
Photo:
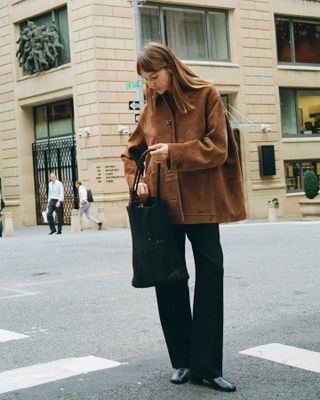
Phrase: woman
(84, 205)
(185, 125)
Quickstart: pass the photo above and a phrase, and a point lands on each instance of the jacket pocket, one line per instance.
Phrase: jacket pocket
(196, 191)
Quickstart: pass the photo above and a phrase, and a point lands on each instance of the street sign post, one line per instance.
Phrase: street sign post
(137, 22)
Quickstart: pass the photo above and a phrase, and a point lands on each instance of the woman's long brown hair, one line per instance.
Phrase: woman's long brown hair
(156, 56)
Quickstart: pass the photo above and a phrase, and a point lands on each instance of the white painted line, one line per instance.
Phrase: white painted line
(6, 336)
(20, 293)
(22, 378)
(252, 223)
(288, 355)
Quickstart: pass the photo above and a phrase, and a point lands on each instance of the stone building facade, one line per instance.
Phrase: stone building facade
(72, 118)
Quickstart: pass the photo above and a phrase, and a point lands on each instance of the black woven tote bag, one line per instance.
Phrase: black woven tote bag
(155, 256)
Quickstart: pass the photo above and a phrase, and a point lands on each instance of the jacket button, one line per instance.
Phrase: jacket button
(168, 122)
(179, 164)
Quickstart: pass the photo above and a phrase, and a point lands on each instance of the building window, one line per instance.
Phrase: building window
(44, 42)
(53, 120)
(193, 34)
(294, 171)
(300, 111)
(298, 40)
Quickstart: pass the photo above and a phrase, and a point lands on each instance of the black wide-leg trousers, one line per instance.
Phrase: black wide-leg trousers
(195, 340)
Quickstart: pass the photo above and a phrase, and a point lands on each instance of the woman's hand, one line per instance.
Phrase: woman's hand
(143, 191)
(160, 152)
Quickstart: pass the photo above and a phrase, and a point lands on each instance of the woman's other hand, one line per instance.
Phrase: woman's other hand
(143, 191)
(160, 152)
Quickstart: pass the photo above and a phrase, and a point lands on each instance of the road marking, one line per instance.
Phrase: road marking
(34, 375)
(19, 293)
(251, 223)
(6, 336)
(85, 276)
(288, 355)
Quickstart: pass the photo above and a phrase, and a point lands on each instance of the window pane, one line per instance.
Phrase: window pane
(150, 25)
(41, 126)
(218, 35)
(42, 20)
(225, 101)
(307, 42)
(283, 40)
(60, 118)
(309, 111)
(64, 36)
(295, 170)
(186, 33)
(288, 112)
(293, 176)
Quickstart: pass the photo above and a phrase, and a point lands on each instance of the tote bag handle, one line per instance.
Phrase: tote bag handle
(139, 172)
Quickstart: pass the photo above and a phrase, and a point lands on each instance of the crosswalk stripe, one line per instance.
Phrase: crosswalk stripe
(288, 355)
(26, 377)
(6, 336)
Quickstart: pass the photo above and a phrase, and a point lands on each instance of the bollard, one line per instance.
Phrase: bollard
(272, 214)
(8, 224)
(75, 221)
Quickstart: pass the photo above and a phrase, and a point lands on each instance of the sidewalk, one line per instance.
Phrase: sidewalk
(40, 230)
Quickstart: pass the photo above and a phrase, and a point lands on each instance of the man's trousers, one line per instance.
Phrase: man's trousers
(59, 211)
(195, 340)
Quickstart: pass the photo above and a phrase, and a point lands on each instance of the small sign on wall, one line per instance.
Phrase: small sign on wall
(109, 177)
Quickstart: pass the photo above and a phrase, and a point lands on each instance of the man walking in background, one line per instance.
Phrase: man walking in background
(55, 203)
(84, 205)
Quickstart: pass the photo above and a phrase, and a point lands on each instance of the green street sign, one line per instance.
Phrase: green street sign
(132, 85)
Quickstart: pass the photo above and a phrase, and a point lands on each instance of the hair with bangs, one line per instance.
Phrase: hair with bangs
(156, 56)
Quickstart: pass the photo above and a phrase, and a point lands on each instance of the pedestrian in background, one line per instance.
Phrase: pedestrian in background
(55, 203)
(84, 205)
(185, 124)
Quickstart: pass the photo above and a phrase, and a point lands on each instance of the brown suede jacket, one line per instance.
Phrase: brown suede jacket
(201, 182)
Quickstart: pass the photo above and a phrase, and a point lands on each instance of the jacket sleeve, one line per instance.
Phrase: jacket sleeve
(212, 150)
(136, 145)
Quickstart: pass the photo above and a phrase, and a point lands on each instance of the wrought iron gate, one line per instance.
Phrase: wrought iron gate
(58, 156)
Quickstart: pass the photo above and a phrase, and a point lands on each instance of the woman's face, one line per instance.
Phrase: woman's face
(159, 81)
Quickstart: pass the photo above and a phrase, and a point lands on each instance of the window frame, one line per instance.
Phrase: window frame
(206, 10)
(56, 12)
(301, 172)
(47, 105)
(292, 19)
(298, 134)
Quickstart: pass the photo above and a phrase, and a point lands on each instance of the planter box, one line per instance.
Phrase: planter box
(310, 209)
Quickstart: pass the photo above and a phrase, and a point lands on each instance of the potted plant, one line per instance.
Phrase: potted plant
(272, 209)
(310, 206)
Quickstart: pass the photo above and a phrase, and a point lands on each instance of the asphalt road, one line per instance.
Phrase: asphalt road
(71, 296)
